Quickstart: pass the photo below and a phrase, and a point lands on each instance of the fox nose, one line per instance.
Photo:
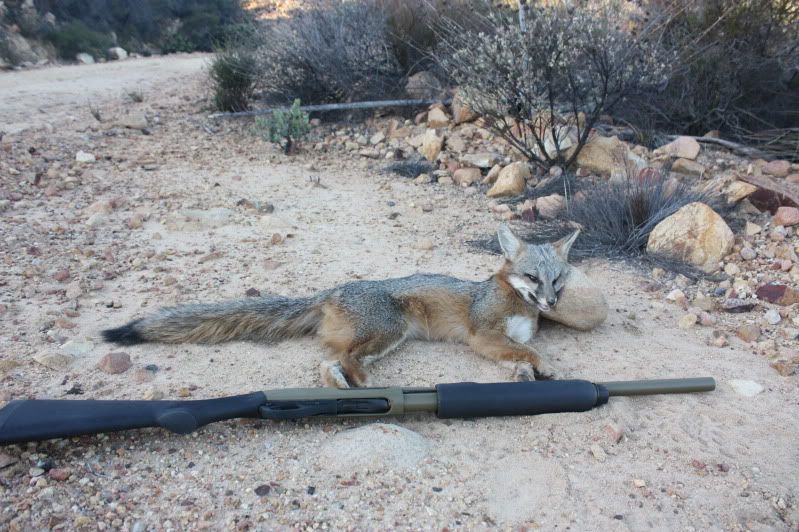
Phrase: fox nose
(551, 301)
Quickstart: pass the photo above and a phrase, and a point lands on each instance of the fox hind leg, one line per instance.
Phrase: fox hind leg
(357, 335)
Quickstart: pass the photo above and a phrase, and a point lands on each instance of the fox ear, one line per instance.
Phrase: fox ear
(563, 245)
(509, 243)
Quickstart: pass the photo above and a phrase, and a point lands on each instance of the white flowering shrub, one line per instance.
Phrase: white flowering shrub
(543, 87)
(329, 50)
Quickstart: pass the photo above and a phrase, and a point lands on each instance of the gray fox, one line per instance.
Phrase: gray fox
(361, 321)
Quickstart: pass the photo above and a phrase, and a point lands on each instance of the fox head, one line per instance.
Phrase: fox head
(536, 272)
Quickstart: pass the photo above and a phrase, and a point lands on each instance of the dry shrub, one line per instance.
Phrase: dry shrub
(737, 69)
(542, 88)
(328, 51)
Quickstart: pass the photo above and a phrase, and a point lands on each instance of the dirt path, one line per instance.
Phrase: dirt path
(720, 461)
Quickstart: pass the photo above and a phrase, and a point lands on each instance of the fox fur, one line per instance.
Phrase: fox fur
(361, 321)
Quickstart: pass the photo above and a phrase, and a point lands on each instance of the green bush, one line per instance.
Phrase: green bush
(75, 37)
(232, 75)
(285, 126)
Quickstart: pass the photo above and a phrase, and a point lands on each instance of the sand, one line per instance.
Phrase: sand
(717, 461)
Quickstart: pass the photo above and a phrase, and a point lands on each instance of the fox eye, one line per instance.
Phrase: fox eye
(532, 277)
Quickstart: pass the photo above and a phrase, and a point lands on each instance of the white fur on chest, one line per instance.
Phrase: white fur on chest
(519, 328)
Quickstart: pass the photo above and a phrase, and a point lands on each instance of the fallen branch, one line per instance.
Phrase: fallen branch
(336, 107)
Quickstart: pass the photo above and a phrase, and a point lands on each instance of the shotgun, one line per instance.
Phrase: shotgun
(43, 419)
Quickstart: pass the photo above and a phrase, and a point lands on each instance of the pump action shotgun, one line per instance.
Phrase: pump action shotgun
(36, 420)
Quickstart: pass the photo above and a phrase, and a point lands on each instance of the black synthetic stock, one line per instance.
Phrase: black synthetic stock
(469, 399)
(36, 420)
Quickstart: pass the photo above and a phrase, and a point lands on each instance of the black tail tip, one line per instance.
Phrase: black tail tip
(125, 335)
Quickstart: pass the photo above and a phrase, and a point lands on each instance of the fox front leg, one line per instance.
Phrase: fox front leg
(524, 359)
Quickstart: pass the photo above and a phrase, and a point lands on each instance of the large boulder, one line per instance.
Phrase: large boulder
(461, 112)
(608, 156)
(681, 147)
(117, 54)
(511, 181)
(695, 234)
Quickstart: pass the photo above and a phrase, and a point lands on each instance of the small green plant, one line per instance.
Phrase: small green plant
(232, 75)
(287, 126)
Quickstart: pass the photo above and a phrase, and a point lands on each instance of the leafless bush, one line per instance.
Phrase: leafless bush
(543, 87)
(737, 69)
(413, 26)
(329, 51)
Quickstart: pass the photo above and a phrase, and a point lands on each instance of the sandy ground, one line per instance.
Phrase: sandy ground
(717, 461)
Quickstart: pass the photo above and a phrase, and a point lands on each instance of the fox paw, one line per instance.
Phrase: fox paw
(525, 371)
(333, 375)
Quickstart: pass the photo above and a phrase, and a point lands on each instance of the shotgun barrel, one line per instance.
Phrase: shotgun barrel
(36, 420)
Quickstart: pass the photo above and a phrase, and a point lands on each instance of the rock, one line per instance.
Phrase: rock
(737, 306)
(701, 301)
(614, 432)
(492, 175)
(436, 118)
(423, 179)
(604, 156)
(53, 360)
(746, 388)
(598, 453)
(777, 168)
(423, 85)
(549, 207)
(97, 219)
(748, 253)
(432, 143)
(59, 474)
(115, 363)
(732, 269)
(687, 321)
(681, 148)
(752, 229)
(424, 245)
(688, 167)
(133, 121)
(786, 216)
(786, 368)
(77, 347)
(61, 276)
(779, 294)
(378, 446)
(480, 160)
(466, 176)
(377, 138)
(369, 153)
(461, 112)
(84, 59)
(152, 394)
(117, 54)
(199, 220)
(772, 317)
(101, 207)
(143, 375)
(694, 234)
(677, 296)
(445, 180)
(509, 183)
(738, 190)
(84, 157)
(749, 332)
(639, 483)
